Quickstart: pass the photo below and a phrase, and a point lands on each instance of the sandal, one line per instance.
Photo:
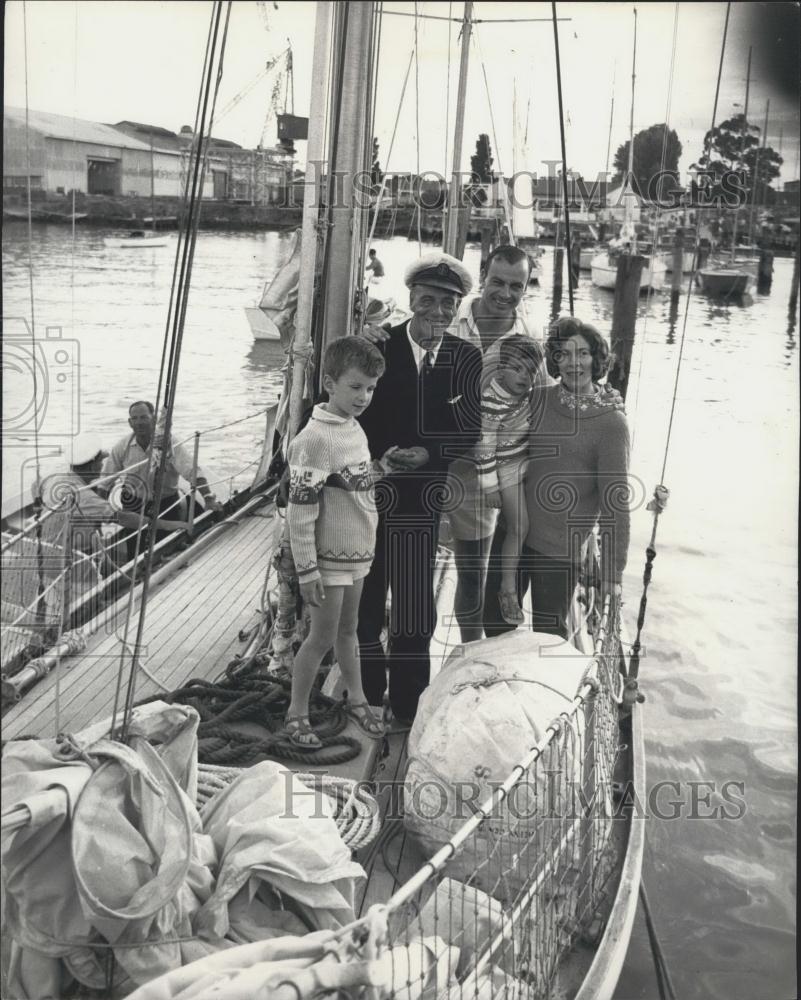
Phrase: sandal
(362, 715)
(510, 609)
(300, 733)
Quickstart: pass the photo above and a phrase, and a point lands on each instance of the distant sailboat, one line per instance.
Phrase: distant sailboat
(604, 265)
(524, 227)
(274, 317)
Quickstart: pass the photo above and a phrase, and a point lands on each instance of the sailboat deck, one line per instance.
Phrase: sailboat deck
(192, 627)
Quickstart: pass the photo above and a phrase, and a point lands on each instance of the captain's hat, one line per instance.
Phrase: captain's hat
(440, 270)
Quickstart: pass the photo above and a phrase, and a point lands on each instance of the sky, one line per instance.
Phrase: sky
(142, 61)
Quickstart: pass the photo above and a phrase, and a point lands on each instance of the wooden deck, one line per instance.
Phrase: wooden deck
(192, 626)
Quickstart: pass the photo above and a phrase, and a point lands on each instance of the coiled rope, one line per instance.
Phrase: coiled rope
(264, 700)
(356, 812)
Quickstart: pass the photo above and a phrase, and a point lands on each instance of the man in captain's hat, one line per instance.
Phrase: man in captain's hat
(427, 403)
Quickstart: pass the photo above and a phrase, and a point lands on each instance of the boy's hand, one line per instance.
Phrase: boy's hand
(313, 593)
(493, 498)
(409, 458)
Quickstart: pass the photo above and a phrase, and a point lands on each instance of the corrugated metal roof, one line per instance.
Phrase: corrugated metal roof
(76, 129)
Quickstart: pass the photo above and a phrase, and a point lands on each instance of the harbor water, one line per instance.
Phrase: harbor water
(718, 668)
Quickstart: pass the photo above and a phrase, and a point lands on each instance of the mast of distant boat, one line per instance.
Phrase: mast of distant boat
(742, 150)
(450, 243)
(628, 231)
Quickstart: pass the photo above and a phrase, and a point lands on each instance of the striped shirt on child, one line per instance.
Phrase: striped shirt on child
(505, 424)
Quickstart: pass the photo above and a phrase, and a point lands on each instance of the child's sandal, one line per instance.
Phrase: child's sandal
(510, 609)
(300, 733)
(362, 715)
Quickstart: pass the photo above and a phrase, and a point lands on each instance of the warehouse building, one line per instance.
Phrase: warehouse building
(63, 154)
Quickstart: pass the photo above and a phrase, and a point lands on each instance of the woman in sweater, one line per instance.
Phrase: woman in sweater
(577, 474)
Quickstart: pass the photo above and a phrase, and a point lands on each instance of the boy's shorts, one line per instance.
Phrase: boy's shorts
(343, 577)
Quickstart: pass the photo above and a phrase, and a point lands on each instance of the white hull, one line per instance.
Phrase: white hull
(261, 326)
(136, 242)
(586, 258)
(687, 259)
(604, 273)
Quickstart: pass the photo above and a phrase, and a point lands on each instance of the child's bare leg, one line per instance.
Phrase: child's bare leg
(347, 652)
(346, 644)
(322, 636)
(515, 515)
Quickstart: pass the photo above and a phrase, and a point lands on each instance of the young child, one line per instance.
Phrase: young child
(331, 520)
(502, 451)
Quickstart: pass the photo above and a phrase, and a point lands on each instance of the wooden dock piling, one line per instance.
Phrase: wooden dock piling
(794, 285)
(678, 264)
(765, 272)
(558, 264)
(624, 318)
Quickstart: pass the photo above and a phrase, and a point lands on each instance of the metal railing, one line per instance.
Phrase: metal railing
(60, 556)
(495, 911)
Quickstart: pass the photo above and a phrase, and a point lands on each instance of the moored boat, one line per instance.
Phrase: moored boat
(137, 239)
(604, 271)
(724, 281)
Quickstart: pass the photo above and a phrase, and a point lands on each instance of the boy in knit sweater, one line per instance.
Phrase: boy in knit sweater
(502, 453)
(331, 521)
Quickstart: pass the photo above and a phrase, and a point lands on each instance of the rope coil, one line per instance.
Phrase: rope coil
(356, 812)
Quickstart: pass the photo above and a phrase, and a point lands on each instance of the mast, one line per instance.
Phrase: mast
(611, 117)
(628, 217)
(755, 180)
(354, 26)
(451, 233)
(301, 347)
(742, 148)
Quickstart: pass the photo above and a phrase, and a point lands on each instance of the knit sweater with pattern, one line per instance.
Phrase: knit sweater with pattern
(331, 514)
(577, 476)
(505, 421)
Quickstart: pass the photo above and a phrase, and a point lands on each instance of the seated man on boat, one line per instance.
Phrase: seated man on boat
(130, 455)
(374, 265)
(427, 402)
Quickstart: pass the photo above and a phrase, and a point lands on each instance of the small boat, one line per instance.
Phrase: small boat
(586, 257)
(136, 239)
(725, 282)
(604, 271)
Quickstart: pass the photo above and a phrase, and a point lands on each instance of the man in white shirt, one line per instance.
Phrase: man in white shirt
(483, 319)
(130, 456)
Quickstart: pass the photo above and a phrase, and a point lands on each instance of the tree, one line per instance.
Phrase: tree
(647, 162)
(734, 146)
(481, 161)
(376, 173)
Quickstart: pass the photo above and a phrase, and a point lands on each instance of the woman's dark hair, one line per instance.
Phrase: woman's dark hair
(562, 330)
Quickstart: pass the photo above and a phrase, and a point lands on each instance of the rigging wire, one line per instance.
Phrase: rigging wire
(178, 330)
(657, 217)
(695, 259)
(448, 87)
(502, 185)
(417, 129)
(564, 154)
(30, 260)
(391, 147)
(183, 224)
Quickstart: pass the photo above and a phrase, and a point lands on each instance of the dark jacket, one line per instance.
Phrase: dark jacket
(439, 411)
